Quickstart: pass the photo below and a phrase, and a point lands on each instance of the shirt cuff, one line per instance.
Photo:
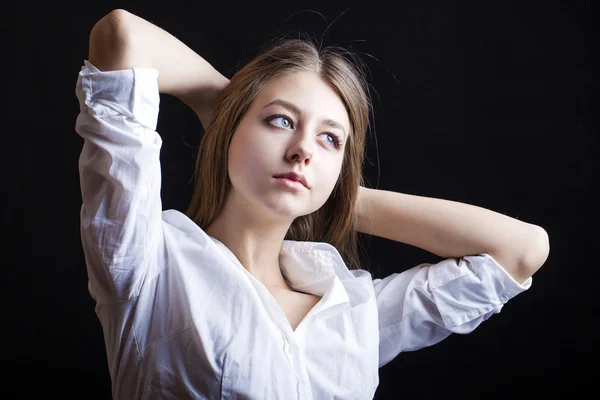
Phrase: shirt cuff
(467, 288)
(131, 92)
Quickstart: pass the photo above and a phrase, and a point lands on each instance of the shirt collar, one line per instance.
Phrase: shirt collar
(309, 264)
(316, 268)
(311, 267)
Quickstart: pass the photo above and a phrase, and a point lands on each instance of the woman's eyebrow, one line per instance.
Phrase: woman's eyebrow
(285, 104)
(290, 106)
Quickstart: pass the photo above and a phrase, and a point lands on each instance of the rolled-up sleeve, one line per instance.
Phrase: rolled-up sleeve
(425, 304)
(120, 179)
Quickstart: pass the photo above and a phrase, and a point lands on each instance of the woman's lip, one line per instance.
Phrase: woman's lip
(291, 184)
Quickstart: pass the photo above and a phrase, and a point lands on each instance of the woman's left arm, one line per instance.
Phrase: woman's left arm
(452, 229)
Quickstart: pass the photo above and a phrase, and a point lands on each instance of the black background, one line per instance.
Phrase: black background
(487, 103)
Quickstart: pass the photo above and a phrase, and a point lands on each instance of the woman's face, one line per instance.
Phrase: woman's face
(296, 123)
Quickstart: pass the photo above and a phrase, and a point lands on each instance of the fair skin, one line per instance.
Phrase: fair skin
(259, 209)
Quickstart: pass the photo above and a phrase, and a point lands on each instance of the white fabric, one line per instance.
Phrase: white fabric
(183, 319)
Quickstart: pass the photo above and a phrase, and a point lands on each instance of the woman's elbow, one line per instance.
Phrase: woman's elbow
(539, 252)
(109, 41)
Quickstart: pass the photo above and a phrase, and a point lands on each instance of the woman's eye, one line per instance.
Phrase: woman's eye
(335, 141)
(281, 121)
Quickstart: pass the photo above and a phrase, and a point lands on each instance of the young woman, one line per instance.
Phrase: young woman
(256, 291)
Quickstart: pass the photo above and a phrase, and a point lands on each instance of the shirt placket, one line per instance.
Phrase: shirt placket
(293, 346)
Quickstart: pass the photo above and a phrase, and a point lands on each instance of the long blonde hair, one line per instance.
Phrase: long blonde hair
(335, 222)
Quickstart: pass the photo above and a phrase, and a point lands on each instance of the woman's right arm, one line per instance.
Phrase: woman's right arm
(130, 62)
(122, 40)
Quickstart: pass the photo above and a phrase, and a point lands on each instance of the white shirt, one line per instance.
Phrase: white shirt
(183, 319)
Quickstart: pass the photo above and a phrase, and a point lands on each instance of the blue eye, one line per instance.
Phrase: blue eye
(336, 139)
(286, 122)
